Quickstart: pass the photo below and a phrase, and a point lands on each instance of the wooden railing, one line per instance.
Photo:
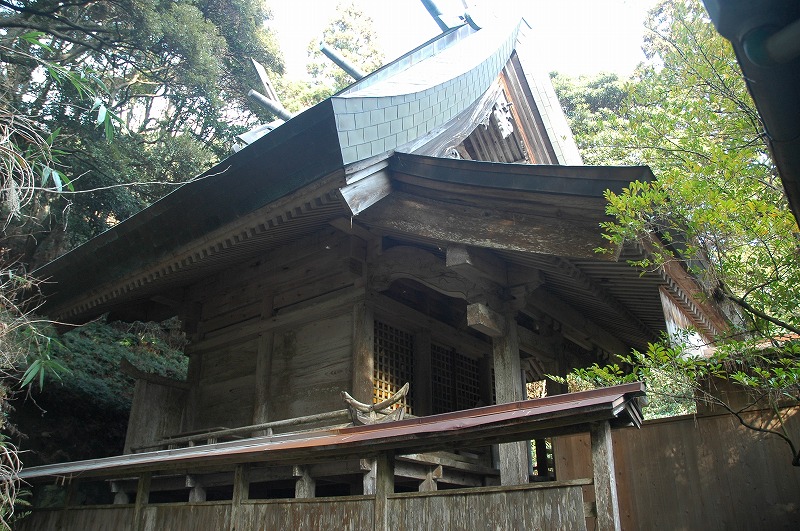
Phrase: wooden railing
(554, 505)
(213, 435)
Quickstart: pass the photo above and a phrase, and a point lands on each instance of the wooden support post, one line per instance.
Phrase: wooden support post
(142, 498)
(263, 372)
(423, 375)
(605, 480)
(120, 496)
(542, 466)
(514, 456)
(363, 353)
(241, 492)
(305, 486)
(370, 468)
(384, 486)
(429, 483)
(192, 411)
(198, 492)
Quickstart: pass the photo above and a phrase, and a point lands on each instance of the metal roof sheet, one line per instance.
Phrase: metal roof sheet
(498, 423)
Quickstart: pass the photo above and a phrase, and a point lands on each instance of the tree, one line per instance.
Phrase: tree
(593, 105)
(176, 74)
(717, 203)
(351, 34)
(172, 75)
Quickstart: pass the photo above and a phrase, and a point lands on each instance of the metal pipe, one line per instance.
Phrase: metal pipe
(765, 48)
(271, 105)
(341, 62)
(784, 45)
(436, 13)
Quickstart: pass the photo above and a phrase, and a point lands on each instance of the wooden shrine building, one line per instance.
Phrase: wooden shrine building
(430, 224)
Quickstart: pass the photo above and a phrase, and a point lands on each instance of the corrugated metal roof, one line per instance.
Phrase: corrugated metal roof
(487, 425)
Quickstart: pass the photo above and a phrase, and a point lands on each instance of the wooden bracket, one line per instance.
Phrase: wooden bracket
(484, 319)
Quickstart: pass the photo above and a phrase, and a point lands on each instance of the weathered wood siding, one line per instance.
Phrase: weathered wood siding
(523, 507)
(190, 516)
(538, 507)
(312, 365)
(80, 518)
(697, 473)
(227, 384)
(156, 411)
(271, 303)
(346, 514)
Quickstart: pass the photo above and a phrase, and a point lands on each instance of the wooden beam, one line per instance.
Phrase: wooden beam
(605, 479)
(475, 264)
(484, 319)
(120, 495)
(363, 353)
(350, 226)
(370, 468)
(486, 228)
(362, 194)
(513, 456)
(547, 347)
(581, 329)
(602, 294)
(384, 487)
(431, 271)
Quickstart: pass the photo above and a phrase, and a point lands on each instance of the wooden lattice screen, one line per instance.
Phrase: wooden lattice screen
(394, 363)
(456, 381)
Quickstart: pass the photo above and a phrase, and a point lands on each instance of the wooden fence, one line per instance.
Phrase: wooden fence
(708, 473)
(554, 506)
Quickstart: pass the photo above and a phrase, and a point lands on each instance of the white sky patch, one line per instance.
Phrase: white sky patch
(574, 36)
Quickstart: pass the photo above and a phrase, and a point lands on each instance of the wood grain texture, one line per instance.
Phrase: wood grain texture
(605, 480)
(92, 519)
(513, 461)
(311, 366)
(489, 508)
(696, 473)
(156, 411)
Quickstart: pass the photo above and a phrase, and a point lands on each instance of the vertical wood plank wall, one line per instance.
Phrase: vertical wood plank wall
(155, 412)
(530, 507)
(267, 299)
(706, 473)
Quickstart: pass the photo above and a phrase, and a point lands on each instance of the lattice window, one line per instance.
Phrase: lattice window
(394, 363)
(442, 376)
(456, 380)
(467, 384)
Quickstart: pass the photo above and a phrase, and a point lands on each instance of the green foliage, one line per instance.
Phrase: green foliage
(94, 351)
(760, 375)
(351, 34)
(717, 206)
(593, 105)
(717, 198)
(173, 74)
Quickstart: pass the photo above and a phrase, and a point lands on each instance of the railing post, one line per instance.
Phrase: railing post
(304, 486)
(241, 486)
(142, 496)
(605, 481)
(384, 486)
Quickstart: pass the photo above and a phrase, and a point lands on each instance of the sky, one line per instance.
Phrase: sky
(575, 36)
